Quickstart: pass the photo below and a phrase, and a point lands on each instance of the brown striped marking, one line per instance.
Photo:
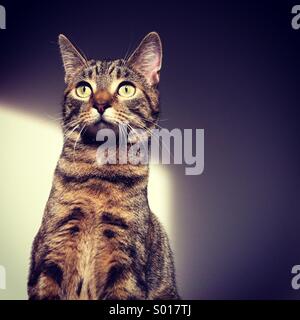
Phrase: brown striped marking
(109, 218)
(75, 215)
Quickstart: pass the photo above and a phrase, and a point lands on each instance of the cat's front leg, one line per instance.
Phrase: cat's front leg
(44, 281)
(45, 289)
(45, 276)
(124, 283)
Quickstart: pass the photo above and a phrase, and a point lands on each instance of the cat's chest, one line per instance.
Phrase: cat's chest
(91, 209)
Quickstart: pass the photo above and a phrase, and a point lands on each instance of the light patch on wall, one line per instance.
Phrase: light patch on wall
(30, 147)
(159, 193)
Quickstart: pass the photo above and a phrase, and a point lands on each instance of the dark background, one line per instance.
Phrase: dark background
(230, 67)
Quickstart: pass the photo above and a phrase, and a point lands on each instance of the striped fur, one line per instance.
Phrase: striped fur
(99, 238)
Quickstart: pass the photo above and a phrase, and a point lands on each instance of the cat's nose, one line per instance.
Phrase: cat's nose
(102, 101)
(101, 107)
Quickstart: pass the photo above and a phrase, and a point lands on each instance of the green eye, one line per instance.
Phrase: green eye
(83, 90)
(126, 90)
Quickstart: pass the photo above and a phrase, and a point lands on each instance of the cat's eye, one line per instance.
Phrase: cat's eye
(126, 90)
(83, 90)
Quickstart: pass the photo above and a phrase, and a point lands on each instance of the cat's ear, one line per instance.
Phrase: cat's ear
(73, 60)
(147, 58)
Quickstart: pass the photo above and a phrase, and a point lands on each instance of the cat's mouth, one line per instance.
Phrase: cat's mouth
(100, 124)
(89, 134)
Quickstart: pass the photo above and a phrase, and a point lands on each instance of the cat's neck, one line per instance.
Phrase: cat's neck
(87, 160)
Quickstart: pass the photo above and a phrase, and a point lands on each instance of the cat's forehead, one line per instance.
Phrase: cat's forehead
(105, 67)
(102, 72)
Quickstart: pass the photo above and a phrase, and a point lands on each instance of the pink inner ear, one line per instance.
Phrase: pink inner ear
(147, 59)
(154, 76)
(153, 71)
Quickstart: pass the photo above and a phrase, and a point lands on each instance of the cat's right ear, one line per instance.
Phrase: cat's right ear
(147, 58)
(73, 60)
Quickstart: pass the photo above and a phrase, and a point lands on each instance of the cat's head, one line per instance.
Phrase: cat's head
(105, 94)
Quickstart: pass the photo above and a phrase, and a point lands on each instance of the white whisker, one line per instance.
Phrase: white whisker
(68, 133)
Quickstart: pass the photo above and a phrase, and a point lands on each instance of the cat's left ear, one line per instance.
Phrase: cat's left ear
(147, 58)
(73, 60)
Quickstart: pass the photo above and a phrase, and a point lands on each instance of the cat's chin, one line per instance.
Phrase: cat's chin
(89, 134)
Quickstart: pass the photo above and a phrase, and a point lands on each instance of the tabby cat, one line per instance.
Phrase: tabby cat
(98, 238)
